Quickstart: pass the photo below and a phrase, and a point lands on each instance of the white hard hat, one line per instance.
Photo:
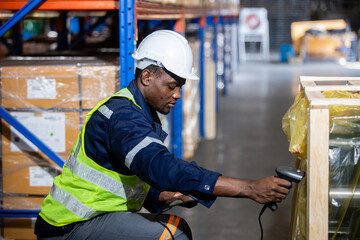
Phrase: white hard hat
(167, 49)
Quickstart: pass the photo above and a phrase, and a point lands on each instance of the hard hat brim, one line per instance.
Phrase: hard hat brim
(143, 63)
(190, 76)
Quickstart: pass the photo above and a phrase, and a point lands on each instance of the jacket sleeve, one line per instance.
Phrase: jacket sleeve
(152, 203)
(134, 141)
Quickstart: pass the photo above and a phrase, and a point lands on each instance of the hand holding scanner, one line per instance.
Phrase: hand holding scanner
(290, 174)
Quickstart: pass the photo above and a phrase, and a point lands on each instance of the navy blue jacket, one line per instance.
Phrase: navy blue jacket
(109, 140)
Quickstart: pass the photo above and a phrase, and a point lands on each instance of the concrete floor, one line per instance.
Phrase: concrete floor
(251, 144)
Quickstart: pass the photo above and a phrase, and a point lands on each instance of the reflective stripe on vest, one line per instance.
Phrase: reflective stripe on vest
(72, 203)
(76, 192)
(104, 181)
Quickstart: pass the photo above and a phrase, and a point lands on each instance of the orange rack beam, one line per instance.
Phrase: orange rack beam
(63, 5)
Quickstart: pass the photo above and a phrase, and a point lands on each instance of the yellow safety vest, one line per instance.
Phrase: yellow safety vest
(85, 189)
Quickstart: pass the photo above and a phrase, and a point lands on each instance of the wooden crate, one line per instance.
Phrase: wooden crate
(318, 146)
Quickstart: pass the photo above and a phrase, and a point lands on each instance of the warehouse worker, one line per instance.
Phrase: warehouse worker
(119, 163)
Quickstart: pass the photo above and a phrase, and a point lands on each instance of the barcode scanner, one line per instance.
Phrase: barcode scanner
(290, 174)
(287, 173)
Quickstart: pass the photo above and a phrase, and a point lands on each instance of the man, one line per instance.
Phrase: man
(119, 163)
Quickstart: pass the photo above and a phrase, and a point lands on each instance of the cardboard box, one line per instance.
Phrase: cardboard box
(23, 203)
(40, 87)
(57, 86)
(177, 2)
(47, 100)
(28, 174)
(190, 109)
(98, 83)
(25, 169)
(58, 130)
(192, 3)
(19, 228)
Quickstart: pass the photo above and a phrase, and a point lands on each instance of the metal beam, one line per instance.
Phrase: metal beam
(64, 5)
(127, 41)
(18, 16)
(202, 25)
(5, 213)
(31, 137)
(177, 112)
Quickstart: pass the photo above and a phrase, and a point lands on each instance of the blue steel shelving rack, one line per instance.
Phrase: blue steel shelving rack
(127, 41)
(127, 28)
(17, 125)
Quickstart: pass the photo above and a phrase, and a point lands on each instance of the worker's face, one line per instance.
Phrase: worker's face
(164, 91)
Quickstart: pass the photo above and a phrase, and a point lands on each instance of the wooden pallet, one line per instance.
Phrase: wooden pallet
(318, 146)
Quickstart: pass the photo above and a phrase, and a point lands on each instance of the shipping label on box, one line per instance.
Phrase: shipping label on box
(14, 143)
(41, 88)
(48, 127)
(31, 174)
(42, 176)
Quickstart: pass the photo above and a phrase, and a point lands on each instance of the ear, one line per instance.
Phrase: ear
(146, 77)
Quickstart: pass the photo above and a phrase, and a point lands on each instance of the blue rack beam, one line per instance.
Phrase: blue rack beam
(3, 113)
(214, 22)
(177, 121)
(18, 16)
(127, 41)
(17, 125)
(202, 25)
(31, 137)
(4, 213)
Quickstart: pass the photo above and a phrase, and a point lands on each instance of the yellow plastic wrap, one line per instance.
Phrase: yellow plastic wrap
(344, 154)
(294, 122)
(298, 211)
(294, 125)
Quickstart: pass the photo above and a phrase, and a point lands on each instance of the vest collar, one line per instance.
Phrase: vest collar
(149, 113)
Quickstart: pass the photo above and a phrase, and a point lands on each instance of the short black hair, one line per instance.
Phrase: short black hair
(152, 68)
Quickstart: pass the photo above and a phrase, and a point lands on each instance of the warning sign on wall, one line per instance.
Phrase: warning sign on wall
(253, 20)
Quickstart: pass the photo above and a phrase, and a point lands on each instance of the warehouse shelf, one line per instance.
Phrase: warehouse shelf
(152, 11)
(63, 5)
(144, 10)
(130, 11)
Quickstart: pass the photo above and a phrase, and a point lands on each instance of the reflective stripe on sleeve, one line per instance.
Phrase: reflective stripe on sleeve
(141, 145)
(105, 111)
(72, 204)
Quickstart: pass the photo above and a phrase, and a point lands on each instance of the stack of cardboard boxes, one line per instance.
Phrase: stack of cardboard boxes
(191, 108)
(51, 101)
